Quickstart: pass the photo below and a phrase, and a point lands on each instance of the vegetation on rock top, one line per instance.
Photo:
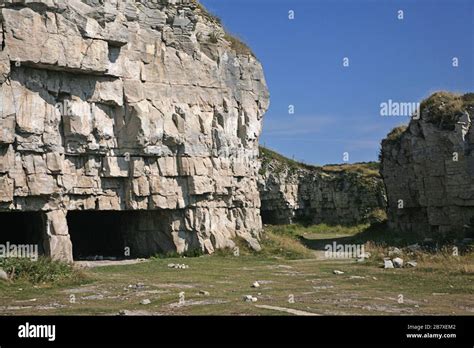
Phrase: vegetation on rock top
(205, 13)
(393, 138)
(444, 108)
(240, 47)
(268, 156)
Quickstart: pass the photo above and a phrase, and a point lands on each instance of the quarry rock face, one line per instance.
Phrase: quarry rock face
(428, 169)
(291, 192)
(142, 106)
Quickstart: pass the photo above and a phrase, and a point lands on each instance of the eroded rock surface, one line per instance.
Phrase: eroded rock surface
(292, 192)
(130, 105)
(428, 169)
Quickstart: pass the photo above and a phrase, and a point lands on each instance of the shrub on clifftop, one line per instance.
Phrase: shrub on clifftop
(444, 108)
(395, 134)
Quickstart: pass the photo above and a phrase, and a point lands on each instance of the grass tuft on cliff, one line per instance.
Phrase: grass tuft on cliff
(395, 134)
(205, 13)
(393, 138)
(236, 44)
(444, 108)
(267, 155)
(240, 47)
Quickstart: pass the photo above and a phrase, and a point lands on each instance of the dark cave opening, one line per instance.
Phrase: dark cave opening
(268, 217)
(273, 217)
(22, 229)
(98, 235)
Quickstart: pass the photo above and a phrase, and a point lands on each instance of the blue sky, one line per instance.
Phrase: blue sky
(337, 109)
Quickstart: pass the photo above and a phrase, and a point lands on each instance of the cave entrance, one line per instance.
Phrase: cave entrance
(268, 217)
(98, 235)
(276, 217)
(21, 234)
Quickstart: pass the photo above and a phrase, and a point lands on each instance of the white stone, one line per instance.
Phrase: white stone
(388, 264)
(250, 298)
(4, 275)
(397, 262)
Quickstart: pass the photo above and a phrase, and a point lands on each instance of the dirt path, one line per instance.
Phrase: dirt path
(287, 310)
(93, 264)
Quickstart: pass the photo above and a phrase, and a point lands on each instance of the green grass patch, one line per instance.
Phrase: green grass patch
(274, 245)
(298, 241)
(44, 270)
(321, 230)
(366, 169)
(175, 254)
(286, 246)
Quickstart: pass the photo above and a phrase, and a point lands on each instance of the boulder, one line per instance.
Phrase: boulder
(397, 262)
(388, 264)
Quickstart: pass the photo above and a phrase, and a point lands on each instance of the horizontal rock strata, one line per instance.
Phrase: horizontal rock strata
(130, 105)
(428, 169)
(292, 192)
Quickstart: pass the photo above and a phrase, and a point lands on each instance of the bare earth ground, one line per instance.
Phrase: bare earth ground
(364, 288)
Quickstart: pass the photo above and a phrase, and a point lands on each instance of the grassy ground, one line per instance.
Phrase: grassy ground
(290, 267)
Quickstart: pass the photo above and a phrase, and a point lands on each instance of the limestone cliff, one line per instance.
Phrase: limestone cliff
(428, 169)
(142, 106)
(342, 194)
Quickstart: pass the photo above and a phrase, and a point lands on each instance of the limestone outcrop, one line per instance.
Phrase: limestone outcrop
(428, 169)
(144, 106)
(343, 194)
